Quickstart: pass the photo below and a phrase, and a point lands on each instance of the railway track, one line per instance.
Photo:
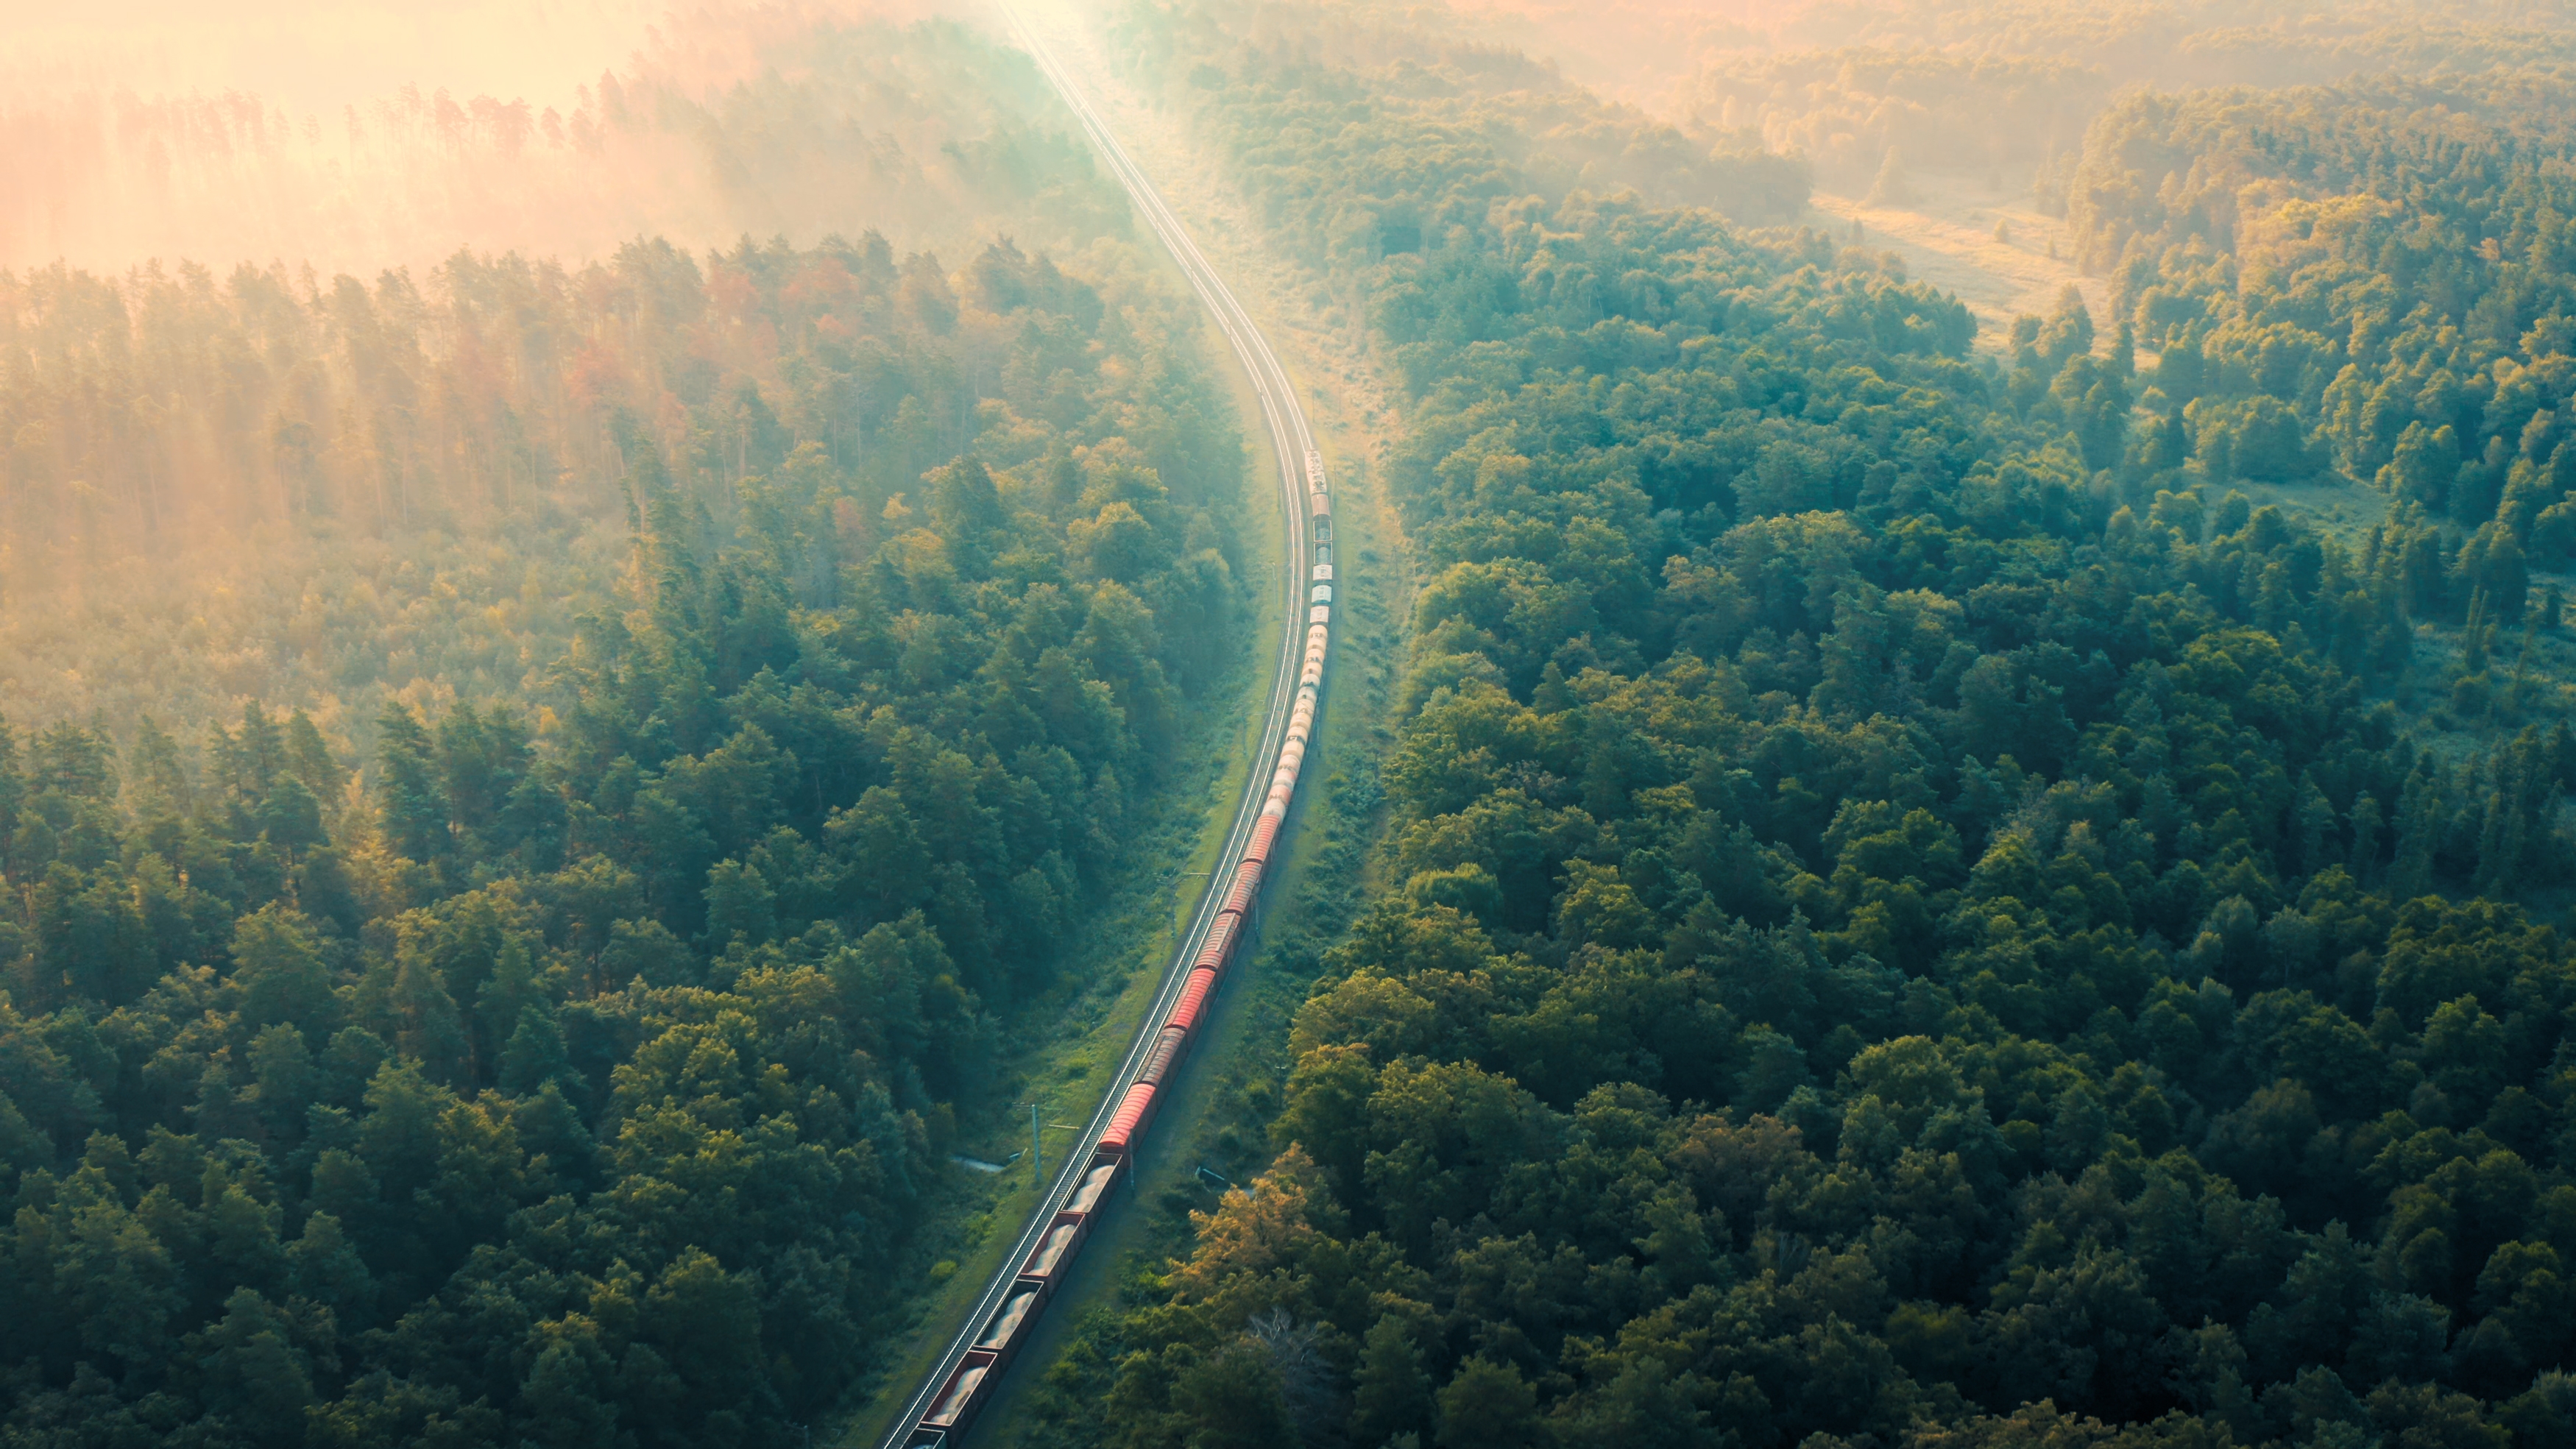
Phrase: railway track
(970, 1367)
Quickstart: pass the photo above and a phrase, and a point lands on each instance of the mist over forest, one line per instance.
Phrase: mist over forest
(1943, 813)
(704, 127)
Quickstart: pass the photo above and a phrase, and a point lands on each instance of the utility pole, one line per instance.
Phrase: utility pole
(1037, 1158)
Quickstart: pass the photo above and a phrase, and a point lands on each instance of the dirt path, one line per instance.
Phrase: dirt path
(1947, 238)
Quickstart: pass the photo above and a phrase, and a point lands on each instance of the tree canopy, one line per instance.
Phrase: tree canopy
(1918, 912)
(569, 1050)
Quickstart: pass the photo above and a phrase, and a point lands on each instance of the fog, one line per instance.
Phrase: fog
(362, 137)
(1991, 92)
(309, 56)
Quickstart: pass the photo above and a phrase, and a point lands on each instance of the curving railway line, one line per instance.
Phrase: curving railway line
(970, 1368)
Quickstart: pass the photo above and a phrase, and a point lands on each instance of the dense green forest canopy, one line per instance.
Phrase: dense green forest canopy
(1920, 912)
(574, 1061)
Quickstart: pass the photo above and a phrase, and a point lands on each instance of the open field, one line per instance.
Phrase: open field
(1946, 234)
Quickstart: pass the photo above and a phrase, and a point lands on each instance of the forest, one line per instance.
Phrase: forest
(2385, 261)
(1927, 885)
(545, 1016)
(209, 461)
(1995, 90)
(1933, 894)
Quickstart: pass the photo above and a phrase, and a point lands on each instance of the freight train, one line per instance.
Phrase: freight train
(973, 1381)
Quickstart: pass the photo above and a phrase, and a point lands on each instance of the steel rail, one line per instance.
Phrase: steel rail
(1291, 438)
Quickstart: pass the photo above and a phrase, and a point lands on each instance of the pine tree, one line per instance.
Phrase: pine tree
(410, 801)
(309, 759)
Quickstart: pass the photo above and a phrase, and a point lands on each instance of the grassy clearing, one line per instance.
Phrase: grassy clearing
(1946, 235)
